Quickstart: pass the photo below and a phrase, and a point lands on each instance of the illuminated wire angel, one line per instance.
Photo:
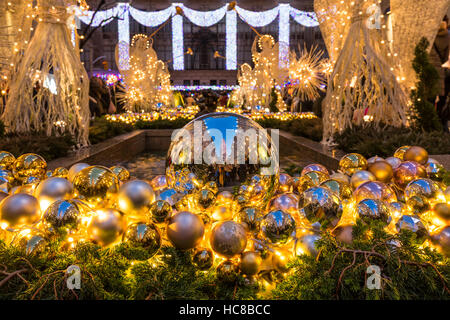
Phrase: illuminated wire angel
(148, 79)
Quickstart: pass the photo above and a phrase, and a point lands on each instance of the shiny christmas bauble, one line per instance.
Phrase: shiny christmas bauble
(423, 188)
(250, 263)
(394, 162)
(417, 154)
(307, 244)
(62, 214)
(361, 176)
(211, 186)
(73, 170)
(285, 183)
(311, 179)
(314, 167)
(96, 184)
(51, 190)
(322, 205)
(19, 209)
(413, 224)
(203, 258)
(160, 211)
(228, 238)
(145, 235)
(382, 171)
(277, 226)
(287, 202)
(250, 218)
(29, 165)
(6, 160)
(107, 226)
(374, 190)
(185, 230)
(352, 162)
(442, 240)
(442, 210)
(159, 182)
(400, 152)
(121, 173)
(341, 189)
(434, 169)
(60, 172)
(372, 209)
(135, 198)
(374, 159)
(408, 171)
(227, 270)
(223, 149)
(205, 198)
(340, 177)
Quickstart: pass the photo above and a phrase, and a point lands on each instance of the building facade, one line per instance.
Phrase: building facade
(202, 67)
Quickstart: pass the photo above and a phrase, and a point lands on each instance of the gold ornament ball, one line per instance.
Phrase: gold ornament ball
(205, 198)
(417, 154)
(314, 167)
(222, 212)
(277, 226)
(374, 159)
(361, 176)
(287, 202)
(6, 160)
(381, 170)
(408, 171)
(159, 182)
(52, 189)
(185, 230)
(228, 238)
(227, 271)
(423, 188)
(121, 173)
(212, 186)
(442, 240)
(96, 184)
(307, 243)
(323, 206)
(340, 177)
(73, 170)
(62, 214)
(284, 182)
(135, 198)
(394, 162)
(224, 197)
(29, 165)
(203, 258)
(435, 170)
(371, 209)
(311, 179)
(19, 209)
(341, 189)
(351, 163)
(374, 190)
(60, 172)
(106, 226)
(280, 260)
(250, 263)
(160, 211)
(400, 152)
(250, 218)
(442, 210)
(144, 235)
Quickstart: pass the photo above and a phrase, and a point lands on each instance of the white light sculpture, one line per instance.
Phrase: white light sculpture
(202, 19)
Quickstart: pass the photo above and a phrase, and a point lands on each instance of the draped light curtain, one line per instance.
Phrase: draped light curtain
(204, 19)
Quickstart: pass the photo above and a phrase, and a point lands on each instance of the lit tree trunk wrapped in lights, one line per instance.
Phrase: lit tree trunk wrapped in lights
(363, 87)
(49, 92)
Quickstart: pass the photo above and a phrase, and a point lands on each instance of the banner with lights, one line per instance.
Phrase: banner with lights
(203, 19)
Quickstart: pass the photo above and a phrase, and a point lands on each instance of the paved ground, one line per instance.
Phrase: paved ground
(148, 165)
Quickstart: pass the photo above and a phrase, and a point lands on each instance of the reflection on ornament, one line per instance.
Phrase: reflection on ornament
(60, 172)
(62, 214)
(19, 209)
(400, 152)
(435, 170)
(323, 206)
(227, 271)
(280, 260)
(340, 177)
(96, 184)
(307, 244)
(277, 226)
(6, 160)
(374, 159)
(408, 171)
(287, 202)
(29, 165)
(135, 198)
(250, 218)
(374, 190)
(205, 198)
(311, 179)
(75, 169)
(228, 238)
(159, 182)
(145, 235)
(121, 173)
(442, 240)
(314, 167)
(284, 183)
(442, 210)
(371, 209)
(351, 163)
(423, 188)
(394, 162)
(361, 176)
(185, 230)
(203, 258)
(341, 189)
(160, 211)
(413, 224)
(106, 226)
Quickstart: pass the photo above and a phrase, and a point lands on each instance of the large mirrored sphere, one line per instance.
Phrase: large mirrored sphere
(226, 148)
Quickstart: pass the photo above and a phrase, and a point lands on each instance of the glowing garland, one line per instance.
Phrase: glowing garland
(203, 19)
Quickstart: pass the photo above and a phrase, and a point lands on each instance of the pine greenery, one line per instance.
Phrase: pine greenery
(123, 272)
(424, 114)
